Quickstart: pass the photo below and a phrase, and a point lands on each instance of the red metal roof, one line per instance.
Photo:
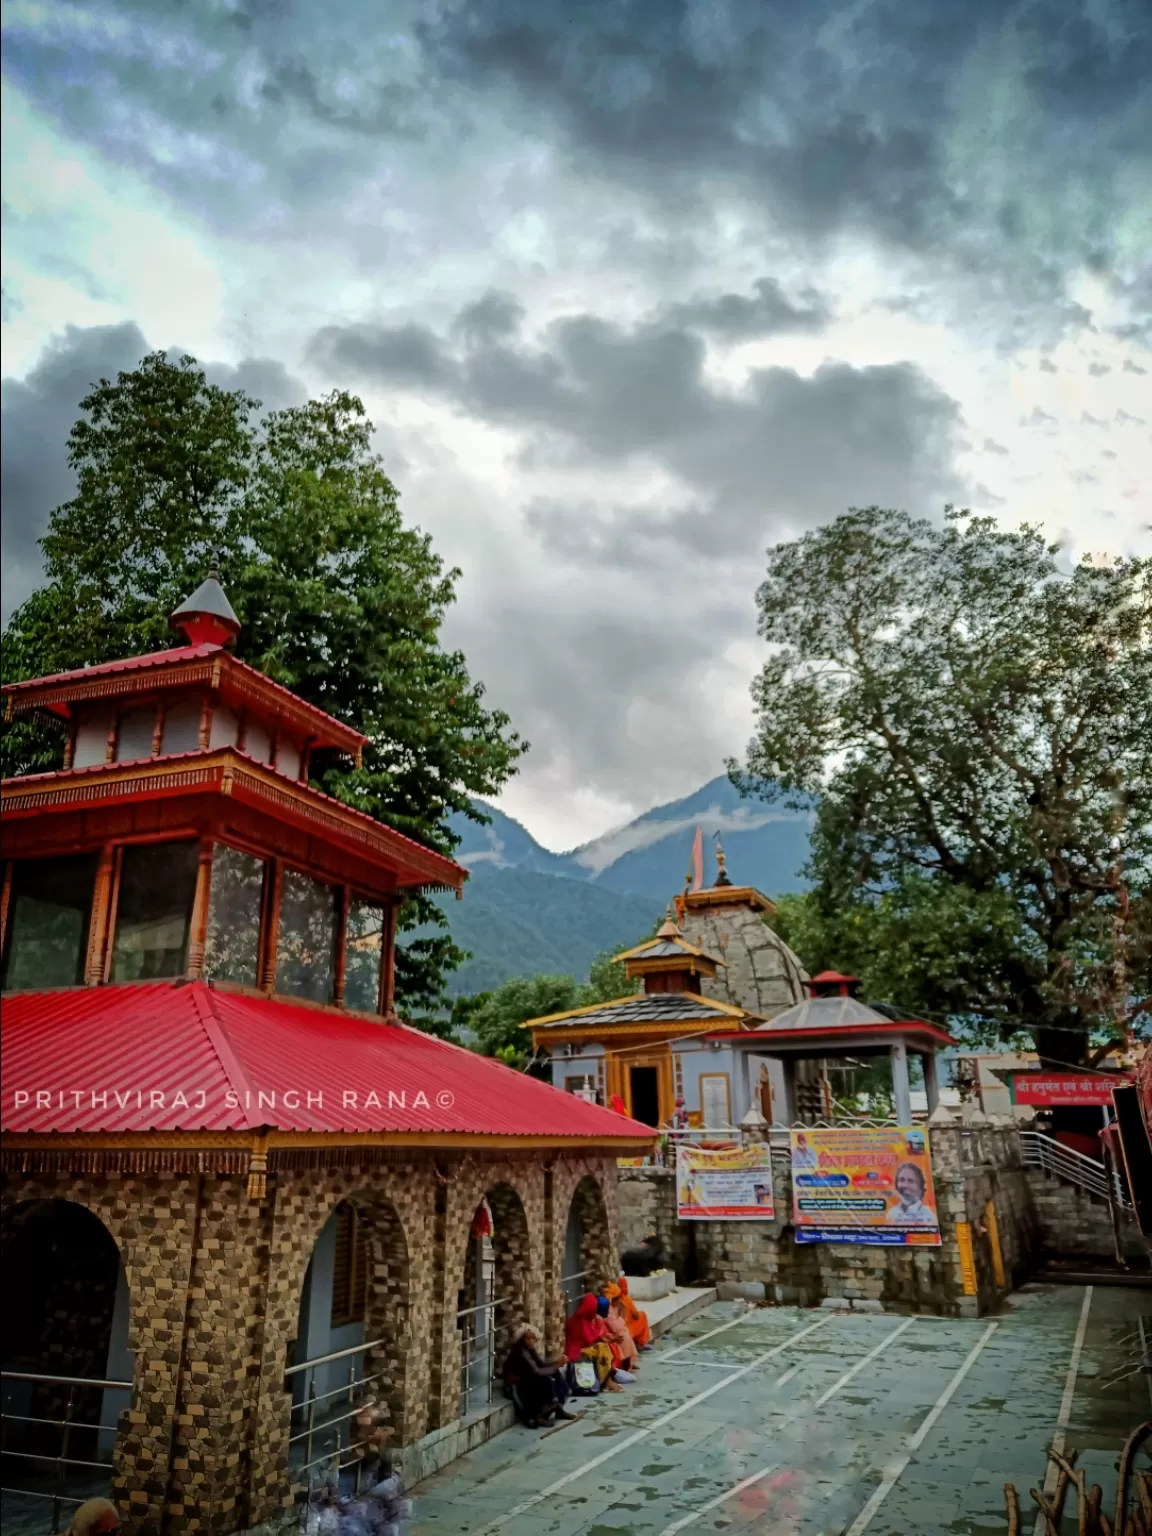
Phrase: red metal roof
(168, 658)
(188, 1057)
(175, 657)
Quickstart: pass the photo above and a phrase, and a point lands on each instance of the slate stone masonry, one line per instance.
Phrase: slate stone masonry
(215, 1280)
(970, 1168)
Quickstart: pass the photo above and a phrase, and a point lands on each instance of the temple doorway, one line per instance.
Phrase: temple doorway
(644, 1086)
(67, 1369)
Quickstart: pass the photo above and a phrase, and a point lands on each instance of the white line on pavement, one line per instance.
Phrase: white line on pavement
(665, 1418)
(1052, 1475)
(825, 1397)
(895, 1470)
(711, 1334)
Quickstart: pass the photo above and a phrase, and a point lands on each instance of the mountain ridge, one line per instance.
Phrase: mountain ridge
(527, 909)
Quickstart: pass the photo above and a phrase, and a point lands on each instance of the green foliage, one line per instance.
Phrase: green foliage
(339, 600)
(976, 724)
(515, 922)
(496, 1018)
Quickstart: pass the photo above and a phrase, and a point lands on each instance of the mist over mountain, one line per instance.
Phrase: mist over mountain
(527, 909)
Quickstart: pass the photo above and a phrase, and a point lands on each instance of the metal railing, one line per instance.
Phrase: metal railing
(1045, 1152)
(327, 1435)
(68, 1426)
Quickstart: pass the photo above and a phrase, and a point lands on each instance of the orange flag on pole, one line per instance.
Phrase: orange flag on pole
(698, 859)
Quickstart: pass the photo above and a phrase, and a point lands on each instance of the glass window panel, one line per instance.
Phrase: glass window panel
(48, 915)
(92, 739)
(307, 938)
(224, 727)
(232, 950)
(288, 759)
(362, 967)
(154, 911)
(134, 737)
(182, 728)
(258, 742)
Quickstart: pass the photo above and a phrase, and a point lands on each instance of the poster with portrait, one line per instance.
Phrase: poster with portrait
(724, 1184)
(868, 1185)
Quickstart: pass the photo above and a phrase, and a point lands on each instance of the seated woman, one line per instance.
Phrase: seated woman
(538, 1387)
(620, 1338)
(637, 1321)
(586, 1338)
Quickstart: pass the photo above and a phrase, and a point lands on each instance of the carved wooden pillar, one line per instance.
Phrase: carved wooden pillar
(274, 755)
(103, 916)
(270, 927)
(110, 743)
(242, 731)
(206, 723)
(340, 959)
(70, 747)
(305, 761)
(388, 957)
(158, 729)
(198, 934)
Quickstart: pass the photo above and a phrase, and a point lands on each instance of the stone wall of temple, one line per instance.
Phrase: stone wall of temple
(1074, 1225)
(215, 1281)
(759, 973)
(971, 1170)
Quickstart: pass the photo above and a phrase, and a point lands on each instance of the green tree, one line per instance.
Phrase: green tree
(496, 1019)
(498, 1023)
(974, 721)
(339, 600)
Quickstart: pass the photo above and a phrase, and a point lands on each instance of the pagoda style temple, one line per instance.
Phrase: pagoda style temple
(730, 1023)
(241, 1198)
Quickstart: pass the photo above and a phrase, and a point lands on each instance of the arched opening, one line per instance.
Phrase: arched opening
(589, 1261)
(67, 1368)
(348, 1370)
(493, 1297)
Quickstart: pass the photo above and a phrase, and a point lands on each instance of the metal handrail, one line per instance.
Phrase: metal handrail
(1052, 1156)
(66, 1425)
(340, 1354)
(65, 1381)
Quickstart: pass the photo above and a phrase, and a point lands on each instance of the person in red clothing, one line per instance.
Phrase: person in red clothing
(617, 1103)
(586, 1338)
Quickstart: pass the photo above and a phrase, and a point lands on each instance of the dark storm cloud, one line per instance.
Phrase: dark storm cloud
(40, 410)
(735, 317)
(783, 450)
(841, 116)
(38, 414)
(1001, 139)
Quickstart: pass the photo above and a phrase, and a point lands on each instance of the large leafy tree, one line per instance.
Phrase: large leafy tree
(496, 1019)
(339, 599)
(975, 720)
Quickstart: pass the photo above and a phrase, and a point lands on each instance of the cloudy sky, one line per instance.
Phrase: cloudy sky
(632, 289)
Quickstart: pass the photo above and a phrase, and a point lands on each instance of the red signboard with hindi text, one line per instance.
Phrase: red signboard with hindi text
(1047, 1089)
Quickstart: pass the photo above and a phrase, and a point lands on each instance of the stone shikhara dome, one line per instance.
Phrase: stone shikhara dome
(760, 973)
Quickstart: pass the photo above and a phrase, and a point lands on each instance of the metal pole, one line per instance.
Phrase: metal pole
(62, 1459)
(311, 1415)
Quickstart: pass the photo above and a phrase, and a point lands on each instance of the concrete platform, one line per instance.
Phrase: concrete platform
(677, 1308)
(779, 1421)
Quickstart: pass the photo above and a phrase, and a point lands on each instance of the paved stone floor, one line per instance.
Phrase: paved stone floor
(778, 1422)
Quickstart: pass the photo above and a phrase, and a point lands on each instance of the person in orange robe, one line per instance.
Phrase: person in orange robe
(637, 1321)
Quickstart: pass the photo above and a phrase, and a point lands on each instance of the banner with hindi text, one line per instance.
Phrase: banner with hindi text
(871, 1185)
(724, 1184)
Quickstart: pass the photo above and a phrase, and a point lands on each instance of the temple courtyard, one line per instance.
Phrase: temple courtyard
(783, 1422)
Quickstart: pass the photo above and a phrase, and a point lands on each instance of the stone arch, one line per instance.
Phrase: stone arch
(583, 1228)
(496, 1279)
(353, 1288)
(67, 1313)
